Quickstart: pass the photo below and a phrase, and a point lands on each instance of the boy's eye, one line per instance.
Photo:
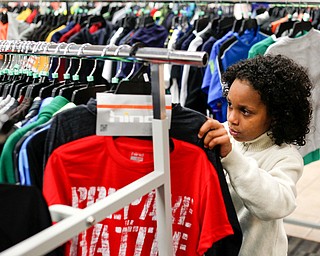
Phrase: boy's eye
(245, 111)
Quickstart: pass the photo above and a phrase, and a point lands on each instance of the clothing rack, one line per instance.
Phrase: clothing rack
(71, 221)
(135, 53)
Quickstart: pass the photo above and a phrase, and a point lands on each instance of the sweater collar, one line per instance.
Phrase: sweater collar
(261, 143)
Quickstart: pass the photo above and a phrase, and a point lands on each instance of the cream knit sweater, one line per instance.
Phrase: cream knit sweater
(262, 181)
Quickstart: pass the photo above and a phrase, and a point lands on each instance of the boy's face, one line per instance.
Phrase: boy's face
(247, 114)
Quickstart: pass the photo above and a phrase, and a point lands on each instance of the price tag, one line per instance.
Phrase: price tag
(127, 115)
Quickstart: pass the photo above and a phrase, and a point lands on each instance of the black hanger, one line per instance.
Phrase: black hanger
(67, 89)
(13, 77)
(68, 82)
(315, 18)
(22, 79)
(237, 25)
(214, 25)
(81, 19)
(201, 23)
(300, 27)
(248, 24)
(82, 95)
(89, 90)
(96, 19)
(136, 84)
(148, 21)
(105, 9)
(33, 90)
(46, 91)
(4, 17)
(285, 26)
(225, 24)
(18, 87)
(23, 90)
(274, 12)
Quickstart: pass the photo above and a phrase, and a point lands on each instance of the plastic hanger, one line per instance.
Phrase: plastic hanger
(82, 95)
(46, 91)
(138, 84)
(285, 26)
(135, 83)
(300, 26)
(148, 21)
(67, 89)
(22, 70)
(115, 79)
(33, 77)
(96, 19)
(19, 88)
(18, 76)
(249, 23)
(237, 25)
(33, 90)
(66, 75)
(201, 23)
(225, 24)
(12, 72)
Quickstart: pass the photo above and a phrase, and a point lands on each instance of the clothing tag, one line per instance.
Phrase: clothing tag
(137, 157)
(145, 77)
(126, 115)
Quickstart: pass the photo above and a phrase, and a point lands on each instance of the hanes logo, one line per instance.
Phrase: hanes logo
(126, 117)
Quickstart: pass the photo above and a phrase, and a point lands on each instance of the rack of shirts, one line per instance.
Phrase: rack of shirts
(90, 52)
(75, 221)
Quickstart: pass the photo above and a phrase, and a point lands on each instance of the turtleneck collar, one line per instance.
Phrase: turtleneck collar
(261, 143)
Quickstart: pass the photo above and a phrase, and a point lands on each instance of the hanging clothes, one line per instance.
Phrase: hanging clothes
(137, 222)
(185, 125)
(305, 51)
(6, 161)
(15, 226)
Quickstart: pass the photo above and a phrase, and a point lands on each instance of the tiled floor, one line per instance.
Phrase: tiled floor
(308, 209)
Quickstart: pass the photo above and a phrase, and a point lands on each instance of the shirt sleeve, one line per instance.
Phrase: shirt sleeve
(268, 193)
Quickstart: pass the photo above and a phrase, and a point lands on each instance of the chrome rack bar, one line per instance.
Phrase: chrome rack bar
(113, 52)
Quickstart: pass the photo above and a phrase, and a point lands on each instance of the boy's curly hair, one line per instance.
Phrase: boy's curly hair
(285, 89)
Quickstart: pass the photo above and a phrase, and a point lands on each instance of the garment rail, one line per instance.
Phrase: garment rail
(73, 221)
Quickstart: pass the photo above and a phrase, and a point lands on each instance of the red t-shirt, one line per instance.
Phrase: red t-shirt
(83, 171)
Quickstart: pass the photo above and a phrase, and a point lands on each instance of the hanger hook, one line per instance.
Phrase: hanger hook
(59, 59)
(94, 67)
(65, 53)
(2, 47)
(34, 50)
(116, 53)
(95, 61)
(105, 50)
(28, 44)
(46, 50)
(13, 56)
(79, 53)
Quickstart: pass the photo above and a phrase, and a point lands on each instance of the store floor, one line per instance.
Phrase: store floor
(308, 205)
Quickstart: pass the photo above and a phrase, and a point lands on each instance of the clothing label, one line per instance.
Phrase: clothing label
(126, 115)
(136, 157)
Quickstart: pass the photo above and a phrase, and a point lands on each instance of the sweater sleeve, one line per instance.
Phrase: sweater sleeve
(266, 184)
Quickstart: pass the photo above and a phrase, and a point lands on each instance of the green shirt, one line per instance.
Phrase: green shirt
(7, 174)
(261, 47)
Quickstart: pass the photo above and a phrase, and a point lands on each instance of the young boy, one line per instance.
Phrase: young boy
(269, 112)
